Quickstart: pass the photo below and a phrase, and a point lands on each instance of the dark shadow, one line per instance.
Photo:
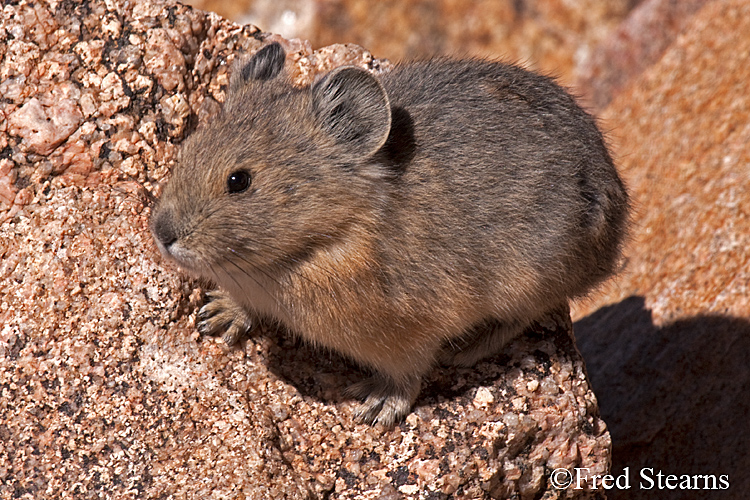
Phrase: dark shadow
(676, 398)
(401, 146)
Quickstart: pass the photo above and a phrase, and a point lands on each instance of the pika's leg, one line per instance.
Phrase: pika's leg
(221, 312)
(484, 341)
(384, 400)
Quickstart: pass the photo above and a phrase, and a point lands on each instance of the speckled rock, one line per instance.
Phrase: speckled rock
(669, 354)
(108, 390)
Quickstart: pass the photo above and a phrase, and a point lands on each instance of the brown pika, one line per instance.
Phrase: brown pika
(428, 213)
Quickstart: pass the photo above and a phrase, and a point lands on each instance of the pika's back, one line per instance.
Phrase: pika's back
(504, 167)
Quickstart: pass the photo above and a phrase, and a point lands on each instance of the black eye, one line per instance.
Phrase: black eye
(238, 181)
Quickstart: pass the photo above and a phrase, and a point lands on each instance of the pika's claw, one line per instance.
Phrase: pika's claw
(385, 402)
(223, 313)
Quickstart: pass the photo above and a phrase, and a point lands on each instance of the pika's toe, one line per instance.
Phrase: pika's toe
(385, 402)
(221, 313)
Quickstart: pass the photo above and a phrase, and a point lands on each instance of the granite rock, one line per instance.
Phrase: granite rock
(668, 354)
(108, 390)
(637, 43)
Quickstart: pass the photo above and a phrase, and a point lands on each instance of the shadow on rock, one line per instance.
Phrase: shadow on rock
(324, 375)
(676, 398)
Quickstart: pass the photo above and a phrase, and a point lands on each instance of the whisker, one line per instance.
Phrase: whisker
(288, 267)
(309, 235)
(246, 273)
(233, 278)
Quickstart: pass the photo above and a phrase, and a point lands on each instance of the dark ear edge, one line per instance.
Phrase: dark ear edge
(352, 106)
(265, 64)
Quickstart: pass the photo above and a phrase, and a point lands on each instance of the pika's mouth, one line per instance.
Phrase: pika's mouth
(183, 257)
(170, 242)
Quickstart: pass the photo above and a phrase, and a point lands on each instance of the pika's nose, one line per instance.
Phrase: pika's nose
(163, 227)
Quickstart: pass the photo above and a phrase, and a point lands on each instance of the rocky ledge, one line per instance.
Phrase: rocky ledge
(108, 390)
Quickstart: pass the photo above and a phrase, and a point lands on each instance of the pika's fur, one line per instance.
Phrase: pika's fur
(394, 218)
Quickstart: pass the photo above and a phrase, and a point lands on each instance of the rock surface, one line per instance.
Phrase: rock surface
(637, 43)
(669, 355)
(107, 390)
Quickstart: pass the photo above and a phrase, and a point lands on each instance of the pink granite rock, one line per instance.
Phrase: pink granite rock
(108, 390)
(637, 43)
(669, 354)
(43, 128)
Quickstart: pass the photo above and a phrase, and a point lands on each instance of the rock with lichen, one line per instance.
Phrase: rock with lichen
(106, 385)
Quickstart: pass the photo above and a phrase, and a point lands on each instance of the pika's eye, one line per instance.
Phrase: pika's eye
(238, 181)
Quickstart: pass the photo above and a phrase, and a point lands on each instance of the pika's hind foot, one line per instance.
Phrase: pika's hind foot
(384, 401)
(486, 340)
(221, 312)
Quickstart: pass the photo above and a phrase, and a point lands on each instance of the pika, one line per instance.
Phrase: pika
(430, 213)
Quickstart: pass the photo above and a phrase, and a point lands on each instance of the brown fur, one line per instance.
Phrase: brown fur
(431, 212)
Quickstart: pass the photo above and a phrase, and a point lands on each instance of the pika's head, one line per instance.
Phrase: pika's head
(280, 170)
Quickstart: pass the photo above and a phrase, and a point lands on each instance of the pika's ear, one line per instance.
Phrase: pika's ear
(352, 106)
(265, 64)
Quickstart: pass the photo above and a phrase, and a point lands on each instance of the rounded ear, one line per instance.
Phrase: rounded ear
(264, 65)
(352, 106)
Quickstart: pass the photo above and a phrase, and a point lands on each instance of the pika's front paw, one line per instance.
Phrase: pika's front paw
(223, 313)
(384, 402)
